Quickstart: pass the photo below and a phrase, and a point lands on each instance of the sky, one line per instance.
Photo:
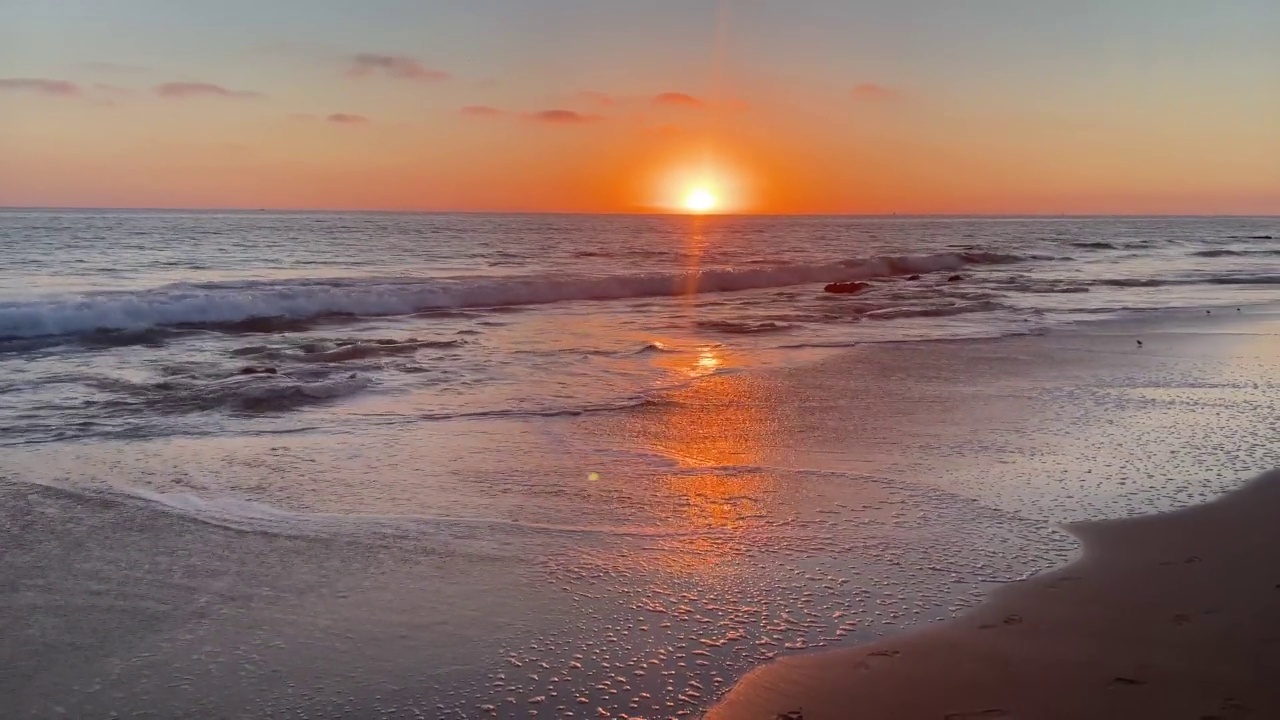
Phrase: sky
(769, 106)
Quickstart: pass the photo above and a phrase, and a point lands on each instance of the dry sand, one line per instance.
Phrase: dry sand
(1165, 616)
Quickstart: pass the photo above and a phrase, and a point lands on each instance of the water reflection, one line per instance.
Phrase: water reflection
(715, 429)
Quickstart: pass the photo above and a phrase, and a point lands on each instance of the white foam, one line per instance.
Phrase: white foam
(223, 303)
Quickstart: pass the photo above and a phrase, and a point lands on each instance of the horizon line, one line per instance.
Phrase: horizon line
(618, 213)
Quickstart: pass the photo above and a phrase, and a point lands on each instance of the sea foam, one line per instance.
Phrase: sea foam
(231, 303)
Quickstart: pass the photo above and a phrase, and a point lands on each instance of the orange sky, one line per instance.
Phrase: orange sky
(913, 107)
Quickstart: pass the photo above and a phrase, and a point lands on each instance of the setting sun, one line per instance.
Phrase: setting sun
(700, 200)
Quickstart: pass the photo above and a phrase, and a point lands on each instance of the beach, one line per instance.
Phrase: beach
(593, 506)
(1172, 614)
(1175, 615)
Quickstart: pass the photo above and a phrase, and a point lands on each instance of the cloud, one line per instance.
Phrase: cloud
(42, 86)
(347, 119)
(596, 97)
(482, 111)
(874, 91)
(678, 99)
(563, 117)
(179, 90)
(400, 67)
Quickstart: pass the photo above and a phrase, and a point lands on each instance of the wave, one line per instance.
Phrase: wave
(1089, 245)
(273, 306)
(896, 313)
(245, 393)
(654, 347)
(729, 327)
(255, 516)
(1234, 253)
(1210, 280)
(343, 351)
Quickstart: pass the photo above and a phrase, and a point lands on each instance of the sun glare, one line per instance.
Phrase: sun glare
(700, 200)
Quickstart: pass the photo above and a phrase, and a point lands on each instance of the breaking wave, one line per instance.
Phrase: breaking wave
(1208, 280)
(272, 306)
(251, 393)
(1234, 253)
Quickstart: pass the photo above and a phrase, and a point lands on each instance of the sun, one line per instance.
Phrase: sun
(700, 200)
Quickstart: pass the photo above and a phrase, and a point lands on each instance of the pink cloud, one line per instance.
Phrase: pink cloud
(399, 67)
(678, 99)
(874, 91)
(179, 90)
(482, 111)
(347, 119)
(563, 117)
(43, 86)
(596, 98)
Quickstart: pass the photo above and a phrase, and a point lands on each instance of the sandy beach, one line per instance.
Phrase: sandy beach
(1175, 615)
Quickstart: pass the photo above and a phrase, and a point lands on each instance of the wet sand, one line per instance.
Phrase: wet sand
(884, 486)
(1174, 615)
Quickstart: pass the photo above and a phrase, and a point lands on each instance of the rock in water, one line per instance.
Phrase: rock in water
(955, 278)
(846, 288)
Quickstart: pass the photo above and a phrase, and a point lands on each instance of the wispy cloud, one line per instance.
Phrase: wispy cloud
(596, 97)
(347, 119)
(678, 99)
(180, 90)
(399, 67)
(42, 86)
(874, 91)
(563, 117)
(482, 111)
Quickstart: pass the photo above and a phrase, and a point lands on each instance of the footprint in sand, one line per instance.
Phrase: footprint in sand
(1181, 619)
(885, 653)
(1126, 682)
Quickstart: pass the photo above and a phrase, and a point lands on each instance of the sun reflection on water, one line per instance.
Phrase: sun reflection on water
(713, 430)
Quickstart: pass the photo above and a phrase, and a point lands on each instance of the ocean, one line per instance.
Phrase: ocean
(473, 465)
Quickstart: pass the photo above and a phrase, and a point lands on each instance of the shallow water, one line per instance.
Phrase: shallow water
(646, 489)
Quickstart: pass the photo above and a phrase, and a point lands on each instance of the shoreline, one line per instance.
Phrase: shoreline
(1168, 615)
(922, 542)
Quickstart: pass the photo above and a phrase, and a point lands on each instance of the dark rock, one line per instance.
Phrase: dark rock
(914, 277)
(955, 278)
(846, 288)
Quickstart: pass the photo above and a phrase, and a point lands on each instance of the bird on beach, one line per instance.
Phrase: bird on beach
(1139, 343)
